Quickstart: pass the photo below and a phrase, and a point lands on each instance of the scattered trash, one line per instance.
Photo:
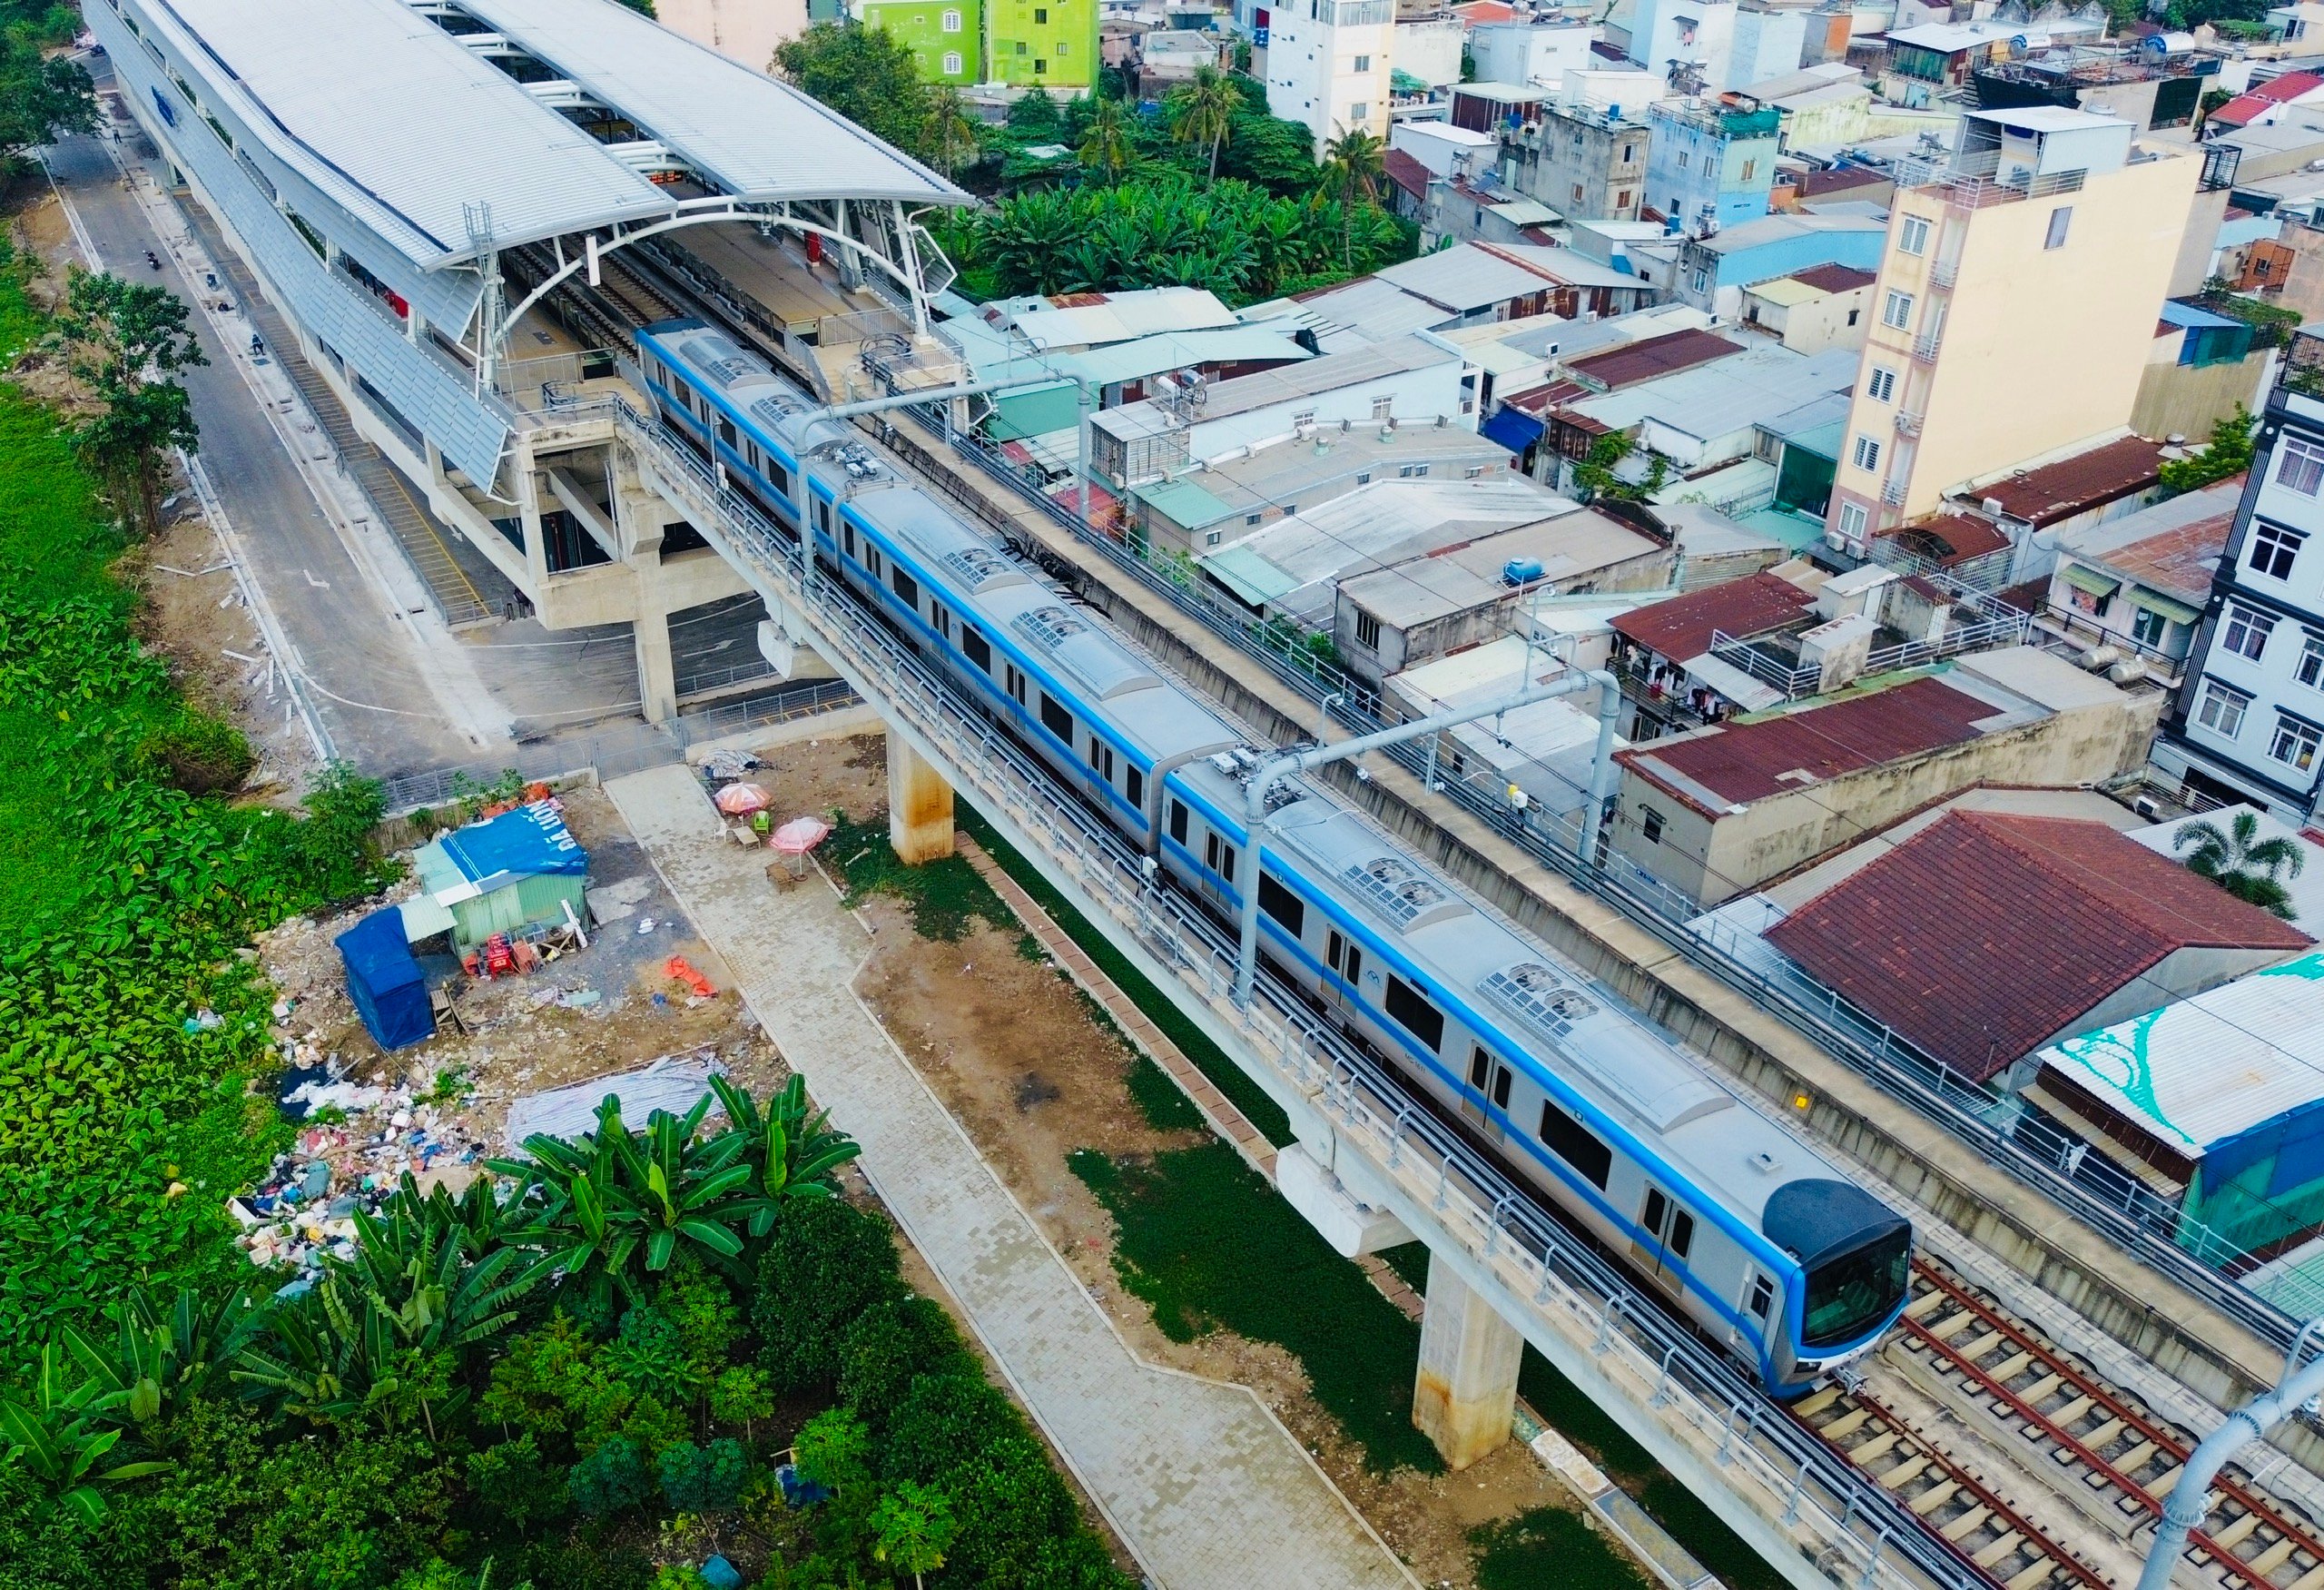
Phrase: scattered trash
(204, 1020)
(580, 999)
(645, 926)
(719, 1574)
(683, 970)
(726, 765)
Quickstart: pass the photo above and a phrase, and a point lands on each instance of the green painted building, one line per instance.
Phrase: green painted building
(946, 36)
(1043, 44)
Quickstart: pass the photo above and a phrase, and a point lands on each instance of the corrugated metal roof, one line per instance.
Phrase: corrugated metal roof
(1086, 319)
(1465, 278)
(402, 127)
(752, 136)
(1145, 356)
(1184, 503)
(1721, 398)
(2206, 1069)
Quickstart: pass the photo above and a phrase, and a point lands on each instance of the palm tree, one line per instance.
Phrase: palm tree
(1202, 111)
(1106, 146)
(949, 133)
(2239, 862)
(1353, 163)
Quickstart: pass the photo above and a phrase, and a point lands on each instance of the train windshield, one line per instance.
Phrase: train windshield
(1849, 1295)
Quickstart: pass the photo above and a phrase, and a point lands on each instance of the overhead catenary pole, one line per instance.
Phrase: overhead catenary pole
(1290, 763)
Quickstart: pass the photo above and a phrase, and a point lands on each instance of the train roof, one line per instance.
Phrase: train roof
(748, 384)
(1560, 1017)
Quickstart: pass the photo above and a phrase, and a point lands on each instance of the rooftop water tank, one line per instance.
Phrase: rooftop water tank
(1520, 570)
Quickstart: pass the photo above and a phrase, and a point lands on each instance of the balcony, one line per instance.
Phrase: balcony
(1924, 348)
(1943, 274)
(1892, 491)
(1908, 424)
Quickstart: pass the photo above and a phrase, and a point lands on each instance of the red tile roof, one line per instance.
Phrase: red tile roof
(2180, 562)
(1407, 173)
(2071, 486)
(1986, 934)
(2289, 87)
(1651, 357)
(1838, 179)
(1680, 627)
(1835, 278)
(1736, 763)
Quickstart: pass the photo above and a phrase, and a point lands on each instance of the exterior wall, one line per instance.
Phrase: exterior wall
(1430, 51)
(1402, 648)
(1584, 166)
(1523, 51)
(2185, 399)
(1981, 361)
(1703, 37)
(743, 30)
(1698, 173)
(2303, 276)
(1837, 320)
(945, 36)
(2269, 684)
(2205, 214)
(1715, 860)
(1328, 65)
(1835, 119)
(2087, 624)
(1769, 43)
(1045, 44)
(1713, 281)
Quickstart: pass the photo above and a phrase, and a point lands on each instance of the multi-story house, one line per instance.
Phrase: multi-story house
(945, 36)
(1585, 160)
(1328, 65)
(2021, 283)
(1710, 165)
(1041, 44)
(2248, 724)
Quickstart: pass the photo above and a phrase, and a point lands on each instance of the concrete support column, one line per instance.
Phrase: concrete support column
(919, 806)
(1466, 1393)
(657, 673)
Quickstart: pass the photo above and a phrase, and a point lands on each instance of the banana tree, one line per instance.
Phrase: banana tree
(336, 1356)
(791, 1153)
(156, 1362)
(56, 1438)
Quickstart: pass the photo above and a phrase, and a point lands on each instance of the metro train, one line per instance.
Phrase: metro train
(1762, 1243)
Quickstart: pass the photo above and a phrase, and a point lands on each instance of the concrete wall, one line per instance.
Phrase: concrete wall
(2018, 315)
(1430, 51)
(1837, 320)
(2181, 399)
(1716, 859)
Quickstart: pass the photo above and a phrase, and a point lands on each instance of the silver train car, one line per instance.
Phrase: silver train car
(1762, 1243)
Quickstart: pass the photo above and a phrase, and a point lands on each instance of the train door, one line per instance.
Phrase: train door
(1346, 961)
(1665, 1236)
(1487, 1079)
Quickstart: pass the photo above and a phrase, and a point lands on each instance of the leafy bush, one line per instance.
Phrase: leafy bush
(705, 1479)
(611, 1479)
(199, 753)
(825, 1264)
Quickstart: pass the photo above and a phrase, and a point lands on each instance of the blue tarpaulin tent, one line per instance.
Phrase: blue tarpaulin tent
(497, 877)
(384, 980)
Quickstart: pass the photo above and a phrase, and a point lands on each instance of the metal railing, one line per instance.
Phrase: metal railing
(2176, 1251)
(1562, 1292)
(1790, 678)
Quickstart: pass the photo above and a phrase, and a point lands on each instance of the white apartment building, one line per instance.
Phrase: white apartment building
(2249, 723)
(1328, 65)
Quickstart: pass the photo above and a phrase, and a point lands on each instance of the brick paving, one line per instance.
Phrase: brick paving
(1198, 1479)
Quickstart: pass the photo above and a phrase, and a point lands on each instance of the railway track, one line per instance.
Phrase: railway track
(1965, 1401)
(602, 315)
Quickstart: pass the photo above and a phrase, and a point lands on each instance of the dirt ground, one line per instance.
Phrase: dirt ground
(1010, 1045)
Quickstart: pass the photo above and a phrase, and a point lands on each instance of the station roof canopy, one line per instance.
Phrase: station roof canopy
(757, 139)
(404, 126)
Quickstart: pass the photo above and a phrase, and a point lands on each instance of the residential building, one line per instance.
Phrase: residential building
(2199, 366)
(1829, 103)
(1041, 44)
(1986, 936)
(1166, 58)
(1811, 311)
(1717, 812)
(1585, 160)
(2034, 506)
(1328, 65)
(1070, 321)
(1715, 45)
(2214, 1104)
(2016, 301)
(1709, 165)
(947, 37)
(1471, 285)
(1547, 748)
(1658, 646)
(1485, 106)
(748, 31)
(1424, 51)
(1402, 382)
(1698, 418)
(1218, 503)
(1925, 62)
(1714, 271)
(2266, 103)
(1541, 50)
(2138, 584)
(2249, 723)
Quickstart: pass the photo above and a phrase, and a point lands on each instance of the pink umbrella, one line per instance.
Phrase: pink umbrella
(740, 800)
(799, 835)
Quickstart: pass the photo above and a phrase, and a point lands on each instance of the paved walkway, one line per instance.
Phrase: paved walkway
(1197, 1478)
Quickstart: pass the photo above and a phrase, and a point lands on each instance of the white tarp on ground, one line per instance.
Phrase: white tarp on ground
(669, 1083)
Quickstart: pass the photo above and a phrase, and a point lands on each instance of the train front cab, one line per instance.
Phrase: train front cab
(1855, 1262)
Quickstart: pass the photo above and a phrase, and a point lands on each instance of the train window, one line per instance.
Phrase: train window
(1134, 787)
(1571, 1142)
(1657, 1212)
(778, 476)
(1178, 824)
(1423, 1020)
(944, 618)
(1285, 906)
(1101, 759)
(1682, 1233)
(1500, 1089)
(1219, 856)
(1344, 958)
(846, 535)
(824, 517)
(726, 431)
(980, 650)
(907, 587)
(1056, 719)
(1763, 1296)
(1479, 1066)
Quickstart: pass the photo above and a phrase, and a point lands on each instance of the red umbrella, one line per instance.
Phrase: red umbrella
(799, 835)
(740, 800)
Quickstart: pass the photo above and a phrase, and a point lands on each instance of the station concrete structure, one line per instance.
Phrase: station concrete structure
(426, 190)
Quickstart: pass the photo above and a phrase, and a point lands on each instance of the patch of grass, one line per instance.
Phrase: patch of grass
(1230, 1079)
(944, 897)
(1159, 1100)
(1549, 1549)
(1207, 1243)
(1410, 1261)
(1694, 1525)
